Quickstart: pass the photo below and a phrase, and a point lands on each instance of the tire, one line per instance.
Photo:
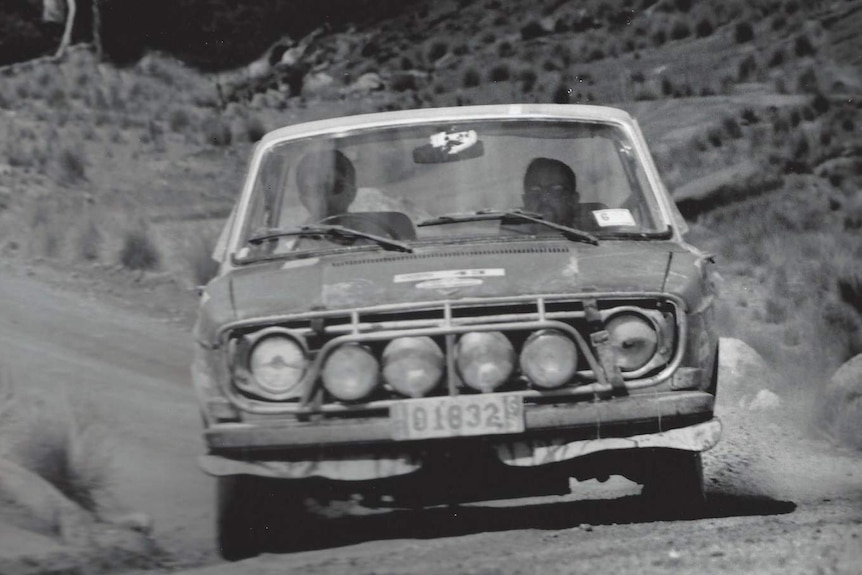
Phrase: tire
(256, 514)
(673, 485)
(238, 527)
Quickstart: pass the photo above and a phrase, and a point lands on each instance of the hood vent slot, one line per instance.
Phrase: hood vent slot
(454, 254)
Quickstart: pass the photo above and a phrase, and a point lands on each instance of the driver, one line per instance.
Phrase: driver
(326, 180)
(550, 189)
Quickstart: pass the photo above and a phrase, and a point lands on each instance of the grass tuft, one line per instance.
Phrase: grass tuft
(138, 250)
(68, 444)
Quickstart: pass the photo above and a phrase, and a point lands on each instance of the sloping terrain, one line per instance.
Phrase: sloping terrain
(119, 178)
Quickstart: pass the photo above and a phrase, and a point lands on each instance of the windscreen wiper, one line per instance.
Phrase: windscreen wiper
(332, 231)
(519, 215)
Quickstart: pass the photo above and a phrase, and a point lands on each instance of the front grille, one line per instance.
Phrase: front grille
(374, 328)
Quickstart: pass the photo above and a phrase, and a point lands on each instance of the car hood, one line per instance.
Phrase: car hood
(431, 274)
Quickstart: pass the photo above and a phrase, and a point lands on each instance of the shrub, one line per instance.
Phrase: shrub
(403, 81)
(505, 50)
(714, 137)
(88, 242)
(528, 80)
(217, 132)
(72, 166)
(680, 30)
(746, 68)
(179, 120)
(666, 86)
(138, 250)
(704, 28)
(562, 94)
(70, 448)
(820, 103)
(499, 73)
(777, 58)
(743, 32)
(471, 78)
(437, 50)
(254, 128)
(802, 47)
(659, 38)
(532, 29)
(731, 127)
(778, 22)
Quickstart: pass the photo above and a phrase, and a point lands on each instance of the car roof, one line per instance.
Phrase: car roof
(500, 111)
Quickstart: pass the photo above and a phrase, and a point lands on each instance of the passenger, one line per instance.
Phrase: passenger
(550, 189)
(327, 183)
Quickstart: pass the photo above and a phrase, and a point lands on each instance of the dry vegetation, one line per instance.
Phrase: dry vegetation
(65, 443)
(755, 101)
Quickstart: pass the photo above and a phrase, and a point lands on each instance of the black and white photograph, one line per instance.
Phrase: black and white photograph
(430, 287)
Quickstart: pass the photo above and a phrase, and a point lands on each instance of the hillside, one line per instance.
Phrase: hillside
(752, 110)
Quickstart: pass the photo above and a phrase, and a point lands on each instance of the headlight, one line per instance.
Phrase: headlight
(350, 372)
(485, 359)
(412, 366)
(278, 363)
(549, 359)
(634, 340)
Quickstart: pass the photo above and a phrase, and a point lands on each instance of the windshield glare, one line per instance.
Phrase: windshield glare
(393, 182)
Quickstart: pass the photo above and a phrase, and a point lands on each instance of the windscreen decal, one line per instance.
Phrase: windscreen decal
(455, 142)
(474, 274)
(615, 217)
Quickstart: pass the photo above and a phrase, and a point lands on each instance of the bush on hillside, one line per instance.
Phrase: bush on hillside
(562, 94)
(471, 78)
(802, 47)
(72, 166)
(531, 30)
(680, 30)
(704, 28)
(437, 50)
(743, 32)
(138, 251)
(528, 80)
(500, 73)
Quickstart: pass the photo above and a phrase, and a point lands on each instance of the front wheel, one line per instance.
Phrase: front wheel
(253, 513)
(673, 486)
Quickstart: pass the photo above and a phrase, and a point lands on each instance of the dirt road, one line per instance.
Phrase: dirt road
(780, 501)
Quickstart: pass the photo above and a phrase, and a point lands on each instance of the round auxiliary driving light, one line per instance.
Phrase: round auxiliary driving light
(412, 366)
(485, 359)
(634, 340)
(549, 359)
(278, 363)
(350, 372)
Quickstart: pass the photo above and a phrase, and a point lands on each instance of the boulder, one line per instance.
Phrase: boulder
(841, 403)
(317, 83)
(742, 373)
(765, 400)
(368, 82)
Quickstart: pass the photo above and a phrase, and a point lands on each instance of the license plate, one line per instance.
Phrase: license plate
(457, 416)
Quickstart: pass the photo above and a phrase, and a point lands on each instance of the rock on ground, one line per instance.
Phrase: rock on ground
(842, 403)
(744, 375)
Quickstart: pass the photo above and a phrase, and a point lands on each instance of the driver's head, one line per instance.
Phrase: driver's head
(550, 190)
(326, 181)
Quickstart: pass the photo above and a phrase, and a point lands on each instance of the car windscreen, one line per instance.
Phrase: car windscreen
(422, 183)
